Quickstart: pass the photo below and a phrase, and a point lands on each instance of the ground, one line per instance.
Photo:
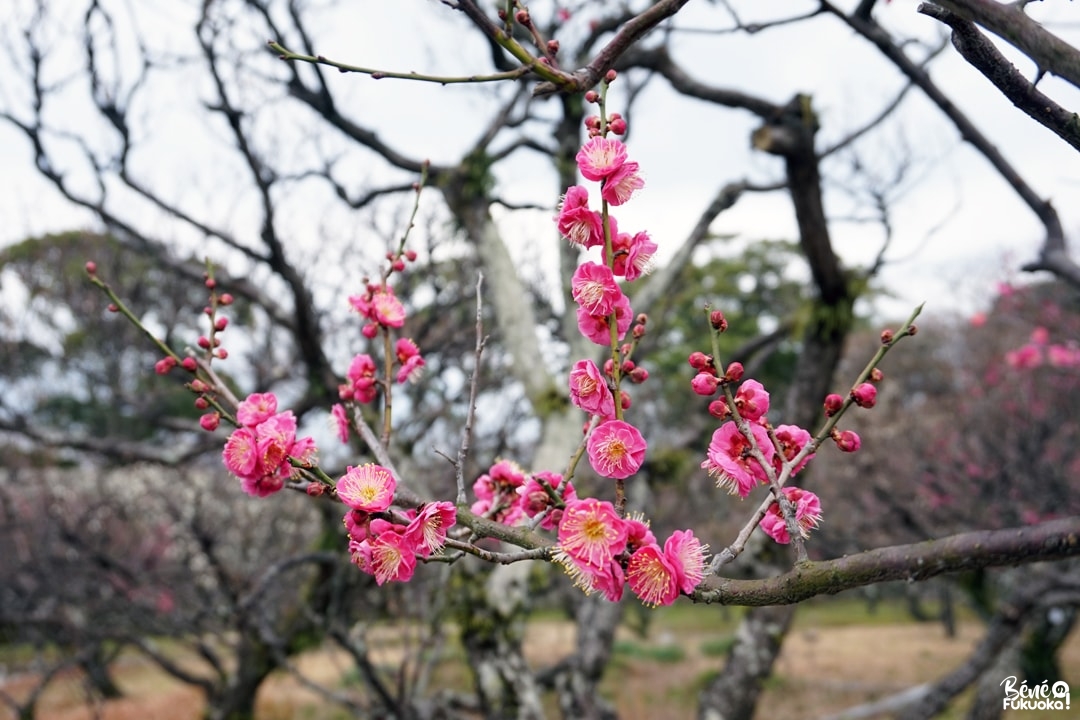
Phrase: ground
(826, 666)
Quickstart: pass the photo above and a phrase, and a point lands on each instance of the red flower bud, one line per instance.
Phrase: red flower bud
(847, 440)
(204, 342)
(201, 403)
(624, 400)
(705, 384)
(876, 375)
(398, 265)
(639, 374)
(627, 367)
(609, 76)
(113, 307)
(189, 364)
(553, 46)
(164, 365)
(865, 395)
(700, 361)
(718, 321)
(638, 332)
(225, 299)
(91, 267)
(719, 409)
(210, 421)
(221, 323)
(370, 331)
(734, 372)
(199, 386)
(221, 353)
(410, 255)
(886, 337)
(617, 126)
(833, 403)
(315, 489)
(210, 283)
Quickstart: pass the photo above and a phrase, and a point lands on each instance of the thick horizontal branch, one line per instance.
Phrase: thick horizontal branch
(1009, 22)
(977, 49)
(1053, 540)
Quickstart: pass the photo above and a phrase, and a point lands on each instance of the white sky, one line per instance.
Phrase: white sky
(957, 226)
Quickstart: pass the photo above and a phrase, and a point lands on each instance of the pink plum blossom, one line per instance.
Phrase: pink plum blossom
(589, 390)
(576, 222)
(622, 183)
(686, 555)
(600, 157)
(341, 421)
(256, 408)
(633, 255)
(591, 532)
(597, 327)
(752, 401)
(428, 528)
(535, 500)
(792, 439)
(729, 458)
(496, 493)
(651, 576)
(593, 287)
(616, 449)
(807, 515)
(368, 487)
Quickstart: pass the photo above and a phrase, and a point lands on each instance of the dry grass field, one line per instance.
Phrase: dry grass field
(826, 666)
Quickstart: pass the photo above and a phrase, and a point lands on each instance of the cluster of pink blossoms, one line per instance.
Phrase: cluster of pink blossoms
(507, 494)
(1039, 350)
(738, 461)
(258, 451)
(603, 552)
(382, 548)
(616, 449)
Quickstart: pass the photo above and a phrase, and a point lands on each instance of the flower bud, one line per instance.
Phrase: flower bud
(204, 342)
(642, 319)
(370, 331)
(639, 374)
(847, 440)
(522, 18)
(410, 255)
(912, 330)
(210, 283)
(91, 267)
(398, 265)
(225, 299)
(553, 46)
(876, 375)
(315, 489)
(591, 97)
(624, 399)
(617, 126)
(734, 372)
(609, 76)
(704, 384)
(700, 361)
(719, 409)
(221, 323)
(865, 395)
(199, 386)
(164, 365)
(113, 307)
(638, 332)
(189, 364)
(718, 321)
(887, 337)
(627, 367)
(221, 353)
(201, 403)
(210, 421)
(833, 403)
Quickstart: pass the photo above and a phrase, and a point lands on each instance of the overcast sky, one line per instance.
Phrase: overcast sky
(957, 226)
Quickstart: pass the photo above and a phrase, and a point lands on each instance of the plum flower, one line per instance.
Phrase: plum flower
(589, 390)
(362, 386)
(576, 222)
(593, 287)
(616, 449)
(621, 184)
(591, 532)
(496, 493)
(632, 254)
(392, 557)
(428, 529)
(752, 401)
(598, 328)
(686, 555)
(651, 576)
(340, 421)
(535, 499)
(256, 408)
(792, 439)
(807, 515)
(607, 578)
(368, 487)
(600, 157)
(259, 454)
(729, 458)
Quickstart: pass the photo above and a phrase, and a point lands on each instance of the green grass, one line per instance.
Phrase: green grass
(655, 653)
